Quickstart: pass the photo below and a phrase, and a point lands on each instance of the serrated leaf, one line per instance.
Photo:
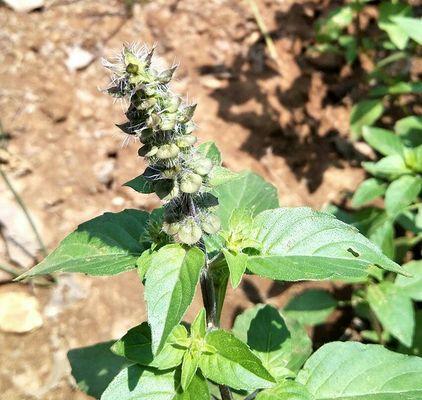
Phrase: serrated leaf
(94, 367)
(302, 244)
(237, 266)
(210, 150)
(363, 113)
(141, 184)
(286, 390)
(136, 346)
(411, 285)
(390, 167)
(106, 245)
(282, 346)
(394, 309)
(387, 11)
(402, 192)
(169, 289)
(367, 191)
(354, 371)
(248, 191)
(311, 307)
(410, 130)
(233, 364)
(385, 142)
(411, 26)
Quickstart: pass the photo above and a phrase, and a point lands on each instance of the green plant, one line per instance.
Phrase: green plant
(386, 300)
(180, 245)
(388, 49)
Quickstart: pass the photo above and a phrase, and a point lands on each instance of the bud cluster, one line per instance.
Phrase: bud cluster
(177, 171)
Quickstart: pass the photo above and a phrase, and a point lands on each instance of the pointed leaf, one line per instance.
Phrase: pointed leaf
(302, 244)
(237, 266)
(233, 364)
(367, 191)
(136, 346)
(210, 150)
(282, 347)
(411, 26)
(388, 10)
(410, 130)
(390, 167)
(170, 286)
(401, 193)
(394, 309)
(354, 371)
(365, 112)
(198, 328)
(189, 367)
(141, 184)
(411, 285)
(106, 245)
(385, 142)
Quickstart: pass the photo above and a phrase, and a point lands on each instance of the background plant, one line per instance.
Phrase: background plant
(180, 245)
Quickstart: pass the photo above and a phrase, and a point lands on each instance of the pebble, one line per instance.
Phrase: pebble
(103, 171)
(24, 5)
(78, 58)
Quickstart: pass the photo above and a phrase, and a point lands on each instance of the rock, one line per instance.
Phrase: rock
(103, 171)
(24, 5)
(78, 58)
(19, 312)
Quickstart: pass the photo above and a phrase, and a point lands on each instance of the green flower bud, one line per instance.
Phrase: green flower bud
(153, 121)
(167, 151)
(166, 189)
(168, 122)
(186, 114)
(171, 173)
(132, 69)
(202, 166)
(210, 224)
(190, 182)
(189, 232)
(186, 141)
(146, 104)
(171, 228)
(189, 127)
(172, 104)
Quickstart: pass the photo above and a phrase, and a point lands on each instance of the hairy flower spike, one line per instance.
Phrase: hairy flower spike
(163, 123)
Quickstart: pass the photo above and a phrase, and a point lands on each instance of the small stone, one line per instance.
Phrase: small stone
(19, 312)
(104, 171)
(24, 5)
(118, 201)
(78, 58)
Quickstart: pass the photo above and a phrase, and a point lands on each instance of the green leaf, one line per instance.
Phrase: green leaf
(189, 367)
(413, 158)
(387, 11)
(237, 266)
(367, 191)
(302, 244)
(311, 307)
(282, 347)
(394, 309)
(416, 349)
(396, 89)
(386, 142)
(198, 329)
(390, 167)
(136, 346)
(233, 364)
(411, 285)
(410, 130)
(143, 263)
(220, 175)
(197, 390)
(382, 234)
(94, 367)
(141, 184)
(354, 371)
(210, 150)
(401, 193)
(365, 112)
(170, 286)
(106, 245)
(248, 191)
(286, 390)
(411, 26)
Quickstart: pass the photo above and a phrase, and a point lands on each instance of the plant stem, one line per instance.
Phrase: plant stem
(10, 270)
(25, 211)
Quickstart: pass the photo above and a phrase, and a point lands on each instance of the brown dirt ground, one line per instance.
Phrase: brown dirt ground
(288, 125)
